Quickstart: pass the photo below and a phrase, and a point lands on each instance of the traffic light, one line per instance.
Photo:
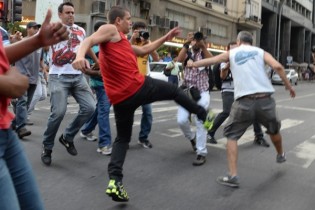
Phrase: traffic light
(2, 9)
(17, 10)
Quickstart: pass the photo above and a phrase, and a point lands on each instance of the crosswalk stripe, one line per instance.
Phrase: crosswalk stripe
(249, 134)
(303, 154)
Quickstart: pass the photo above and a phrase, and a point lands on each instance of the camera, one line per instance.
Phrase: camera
(144, 34)
(198, 36)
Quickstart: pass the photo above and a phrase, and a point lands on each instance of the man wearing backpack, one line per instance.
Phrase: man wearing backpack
(197, 85)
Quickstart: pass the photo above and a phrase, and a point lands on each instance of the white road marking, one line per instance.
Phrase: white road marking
(304, 153)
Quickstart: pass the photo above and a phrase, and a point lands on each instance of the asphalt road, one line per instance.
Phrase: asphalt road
(163, 178)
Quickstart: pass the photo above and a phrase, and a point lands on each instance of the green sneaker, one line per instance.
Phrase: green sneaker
(209, 120)
(116, 191)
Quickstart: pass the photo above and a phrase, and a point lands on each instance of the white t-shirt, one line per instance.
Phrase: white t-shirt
(247, 67)
(62, 54)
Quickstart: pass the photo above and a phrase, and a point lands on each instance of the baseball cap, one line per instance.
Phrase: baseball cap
(33, 24)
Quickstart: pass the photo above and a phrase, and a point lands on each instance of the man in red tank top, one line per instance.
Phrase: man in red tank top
(127, 89)
(18, 186)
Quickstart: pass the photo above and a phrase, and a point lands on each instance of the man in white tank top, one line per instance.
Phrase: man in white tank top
(253, 101)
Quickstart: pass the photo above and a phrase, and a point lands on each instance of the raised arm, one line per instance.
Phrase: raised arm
(223, 57)
(104, 34)
(49, 34)
(146, 49)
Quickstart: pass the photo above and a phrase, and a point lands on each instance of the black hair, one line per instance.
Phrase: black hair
(138, 24)
(60, 7)
(98, 24)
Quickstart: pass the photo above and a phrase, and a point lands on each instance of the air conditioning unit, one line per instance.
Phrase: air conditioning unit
(154, 20)
(208, 5)
(205, 31)
(145, 5)
(165, 23)
(173, 24)
(98, 7)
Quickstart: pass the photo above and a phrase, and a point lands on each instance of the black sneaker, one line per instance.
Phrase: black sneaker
(68, 145)
(281, 158)
(22, 132)
(200, 160)
(116, 191)
(145, 143)
(261, 142)
(211, 139)
(46, 156)
(193, 144)
(229, 181)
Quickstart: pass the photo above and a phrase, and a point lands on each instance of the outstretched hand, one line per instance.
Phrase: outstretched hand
(172, 33)
(52, 33)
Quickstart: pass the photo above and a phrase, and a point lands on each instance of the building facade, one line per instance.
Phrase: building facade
(287, 22)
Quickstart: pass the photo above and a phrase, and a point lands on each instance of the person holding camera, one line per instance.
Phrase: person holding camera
(196, 84)
(140, 37)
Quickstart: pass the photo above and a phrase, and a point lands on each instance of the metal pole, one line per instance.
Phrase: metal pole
(279, 30)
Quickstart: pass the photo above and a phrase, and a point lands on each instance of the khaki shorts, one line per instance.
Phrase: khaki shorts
(245, 111)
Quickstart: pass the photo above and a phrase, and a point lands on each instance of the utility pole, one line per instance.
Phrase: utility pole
(281, 3)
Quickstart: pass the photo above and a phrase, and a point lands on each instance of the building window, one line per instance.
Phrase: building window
(184, 20)
(222, 2)
(217, 29)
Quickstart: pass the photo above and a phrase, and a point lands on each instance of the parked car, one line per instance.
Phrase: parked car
(157, 68)
(5, 36)
(292, 76)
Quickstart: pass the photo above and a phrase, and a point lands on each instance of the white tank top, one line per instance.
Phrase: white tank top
(249, 75)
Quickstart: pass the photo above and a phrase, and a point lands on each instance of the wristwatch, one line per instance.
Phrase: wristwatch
(185, 45)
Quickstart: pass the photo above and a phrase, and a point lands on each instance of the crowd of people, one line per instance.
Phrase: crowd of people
(109, 59)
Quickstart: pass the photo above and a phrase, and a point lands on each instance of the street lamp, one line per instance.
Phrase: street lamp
(281, 2)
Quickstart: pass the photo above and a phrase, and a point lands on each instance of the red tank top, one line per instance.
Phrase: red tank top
(119, 68)
(5, 116)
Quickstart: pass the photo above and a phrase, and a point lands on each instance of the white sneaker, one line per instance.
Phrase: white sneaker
(89, 136)
(107, 150)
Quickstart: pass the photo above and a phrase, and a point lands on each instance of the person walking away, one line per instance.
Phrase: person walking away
(196, 82)
(126, 87)
(252, 93)
(63, 81)
(29, 66)
(102, 110)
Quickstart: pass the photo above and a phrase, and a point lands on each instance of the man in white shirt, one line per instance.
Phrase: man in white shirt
(253, 101)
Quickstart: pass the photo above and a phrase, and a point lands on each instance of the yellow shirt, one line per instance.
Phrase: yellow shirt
(142, 62)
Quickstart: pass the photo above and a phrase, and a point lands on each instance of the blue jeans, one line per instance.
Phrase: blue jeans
(173, 79)
(18, 188)
(60, 87)
(146, 122)
(21, 107)
(100, 116)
